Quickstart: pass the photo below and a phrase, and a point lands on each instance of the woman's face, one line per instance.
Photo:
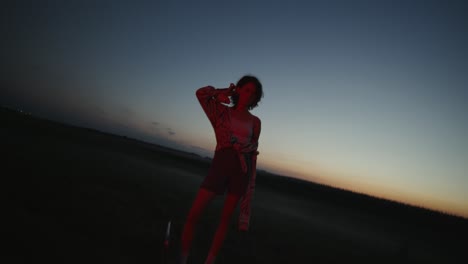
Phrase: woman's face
(246, 93)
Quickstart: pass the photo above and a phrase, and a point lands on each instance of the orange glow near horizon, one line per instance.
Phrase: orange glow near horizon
(385, 192)
(359, 184)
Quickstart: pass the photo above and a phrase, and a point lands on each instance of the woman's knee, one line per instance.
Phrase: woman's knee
(230, 204)
(203, 198)
(232, 199)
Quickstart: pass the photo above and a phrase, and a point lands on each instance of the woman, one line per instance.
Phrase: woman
(233, 166)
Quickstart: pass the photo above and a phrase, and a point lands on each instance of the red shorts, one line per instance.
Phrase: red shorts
(226, 173)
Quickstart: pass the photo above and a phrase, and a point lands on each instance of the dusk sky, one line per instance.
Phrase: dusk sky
(369, 96)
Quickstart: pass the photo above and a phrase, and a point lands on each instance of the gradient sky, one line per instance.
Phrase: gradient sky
(368, 96)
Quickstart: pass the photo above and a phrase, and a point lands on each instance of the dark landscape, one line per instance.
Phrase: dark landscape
(77, 195)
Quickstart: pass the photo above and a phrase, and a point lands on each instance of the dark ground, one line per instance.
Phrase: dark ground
(75, 195)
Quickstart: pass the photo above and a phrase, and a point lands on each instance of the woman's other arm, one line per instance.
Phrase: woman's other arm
(253, 145)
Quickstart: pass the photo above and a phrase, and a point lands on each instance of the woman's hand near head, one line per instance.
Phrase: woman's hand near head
(232, 88)
(223, 97)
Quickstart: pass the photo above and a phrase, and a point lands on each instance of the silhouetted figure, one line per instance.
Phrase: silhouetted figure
(234, 163)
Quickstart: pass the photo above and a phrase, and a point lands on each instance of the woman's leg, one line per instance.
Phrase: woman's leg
(203, 198)
(229, 207)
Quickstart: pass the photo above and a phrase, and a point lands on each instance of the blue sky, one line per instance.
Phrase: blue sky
(363, 95)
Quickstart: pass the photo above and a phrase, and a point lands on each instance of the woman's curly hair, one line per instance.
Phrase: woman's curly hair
(259, 89)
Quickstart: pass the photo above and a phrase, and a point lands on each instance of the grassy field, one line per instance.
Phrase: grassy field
(76, 195)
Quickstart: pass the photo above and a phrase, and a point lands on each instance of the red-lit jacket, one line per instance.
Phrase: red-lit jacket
(220, 118)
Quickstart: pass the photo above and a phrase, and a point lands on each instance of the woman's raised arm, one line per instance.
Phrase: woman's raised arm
(210, 99)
